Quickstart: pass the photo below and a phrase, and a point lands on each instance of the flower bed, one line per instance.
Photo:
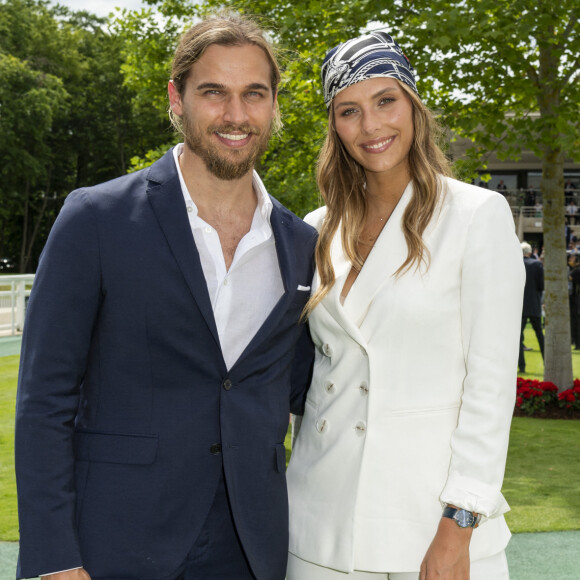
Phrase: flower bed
(541, 399)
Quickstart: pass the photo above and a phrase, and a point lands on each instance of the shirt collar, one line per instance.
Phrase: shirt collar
(264, 202)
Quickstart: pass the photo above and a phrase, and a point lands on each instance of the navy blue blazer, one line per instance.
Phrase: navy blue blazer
(123, 390)
(534, 287)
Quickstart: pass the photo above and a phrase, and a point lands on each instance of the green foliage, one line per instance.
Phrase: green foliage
(148, 45)
(502, 74)
(478, 63)
(67, 118)
(138, 163)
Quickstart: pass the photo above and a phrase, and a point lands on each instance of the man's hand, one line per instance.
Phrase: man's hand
(78, 574)
(448, 555)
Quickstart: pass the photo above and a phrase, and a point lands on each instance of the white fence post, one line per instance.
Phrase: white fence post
(14, 290)
(20, 305)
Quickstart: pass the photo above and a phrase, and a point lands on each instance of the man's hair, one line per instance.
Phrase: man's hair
(224, 29)
(526, 249)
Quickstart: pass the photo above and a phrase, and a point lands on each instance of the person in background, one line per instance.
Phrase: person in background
(571, 211)
(415, 314)
(532, 307)
(574, 296)
(162, 350)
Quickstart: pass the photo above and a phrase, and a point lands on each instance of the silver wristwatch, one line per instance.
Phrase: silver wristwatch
(463, 518)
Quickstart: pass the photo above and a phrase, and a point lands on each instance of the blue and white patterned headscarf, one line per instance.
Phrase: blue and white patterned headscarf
(372, 55)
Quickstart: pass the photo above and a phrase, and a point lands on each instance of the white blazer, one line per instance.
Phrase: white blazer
(413, 391)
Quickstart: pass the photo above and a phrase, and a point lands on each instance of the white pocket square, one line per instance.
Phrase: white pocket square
(303, 288)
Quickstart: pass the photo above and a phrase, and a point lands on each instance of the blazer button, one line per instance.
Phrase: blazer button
(227, 384)
(322, 425)
(360, 428)
(327, 349)
(215, 449)
(364, 389)
(330, 388)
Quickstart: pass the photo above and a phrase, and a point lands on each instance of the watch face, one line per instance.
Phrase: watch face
(464, 518)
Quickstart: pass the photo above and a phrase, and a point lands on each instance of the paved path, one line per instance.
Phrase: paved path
(10, 345)
(551, 556)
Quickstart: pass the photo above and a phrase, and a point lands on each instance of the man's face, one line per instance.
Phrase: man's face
(227, 108)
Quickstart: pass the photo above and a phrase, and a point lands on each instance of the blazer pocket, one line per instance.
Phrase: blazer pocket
(115, 447)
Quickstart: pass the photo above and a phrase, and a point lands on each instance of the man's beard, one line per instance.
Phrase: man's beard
(236, 163)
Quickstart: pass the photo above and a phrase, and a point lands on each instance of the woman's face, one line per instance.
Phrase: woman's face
(374, 120)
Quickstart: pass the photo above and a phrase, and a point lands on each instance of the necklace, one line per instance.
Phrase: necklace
(371, 231)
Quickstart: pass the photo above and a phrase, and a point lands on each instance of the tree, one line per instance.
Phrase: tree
(518, 63)
(67, 117)
(30, 102)
(503, 74)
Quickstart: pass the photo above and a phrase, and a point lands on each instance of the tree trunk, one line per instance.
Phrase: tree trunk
(37, 223)
(558, 353)
(26, 196)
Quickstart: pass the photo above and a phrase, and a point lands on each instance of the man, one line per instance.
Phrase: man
(532, 308)
(574, 297)
(162, 350)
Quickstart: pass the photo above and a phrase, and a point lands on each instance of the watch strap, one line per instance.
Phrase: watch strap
(450, 512)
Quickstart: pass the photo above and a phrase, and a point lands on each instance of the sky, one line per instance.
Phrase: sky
(100, 7)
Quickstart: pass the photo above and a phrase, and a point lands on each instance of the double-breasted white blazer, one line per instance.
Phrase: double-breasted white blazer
(413, 391)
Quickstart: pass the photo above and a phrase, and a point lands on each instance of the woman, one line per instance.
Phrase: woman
(415, 315)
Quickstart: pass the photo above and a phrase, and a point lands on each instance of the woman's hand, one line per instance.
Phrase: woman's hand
(448, 555)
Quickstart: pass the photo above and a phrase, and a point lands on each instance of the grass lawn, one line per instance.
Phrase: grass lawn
(542, 482)
(8, 517)
(534, 362)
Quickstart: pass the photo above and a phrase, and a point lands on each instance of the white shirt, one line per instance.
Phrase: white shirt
(243, 296)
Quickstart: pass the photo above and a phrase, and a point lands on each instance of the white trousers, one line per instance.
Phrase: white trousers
(492, 568)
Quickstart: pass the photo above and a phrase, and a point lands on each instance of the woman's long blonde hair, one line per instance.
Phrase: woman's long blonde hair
(342, 182)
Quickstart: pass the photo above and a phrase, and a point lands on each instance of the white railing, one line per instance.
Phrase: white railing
(14, 293)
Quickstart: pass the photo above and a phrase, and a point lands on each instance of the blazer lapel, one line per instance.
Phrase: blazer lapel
(387, 255)
(331, 301)
(166, 199)
(285, 248)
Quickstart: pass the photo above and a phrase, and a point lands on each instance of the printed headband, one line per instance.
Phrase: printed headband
(372, 55)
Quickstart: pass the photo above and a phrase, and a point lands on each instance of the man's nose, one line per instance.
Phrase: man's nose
(236, 111)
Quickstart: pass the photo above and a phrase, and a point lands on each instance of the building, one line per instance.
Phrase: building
(522, 190)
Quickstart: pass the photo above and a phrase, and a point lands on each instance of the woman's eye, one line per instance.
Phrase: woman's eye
(347, 112)
(386, 100)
